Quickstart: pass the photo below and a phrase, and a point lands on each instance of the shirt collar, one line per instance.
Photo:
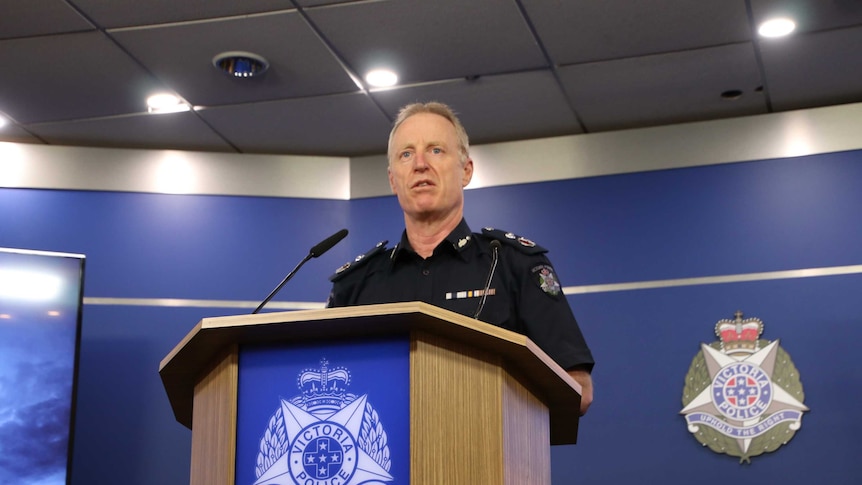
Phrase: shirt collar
(459, 239)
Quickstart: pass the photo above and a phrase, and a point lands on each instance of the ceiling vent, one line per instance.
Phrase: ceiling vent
(241, 64)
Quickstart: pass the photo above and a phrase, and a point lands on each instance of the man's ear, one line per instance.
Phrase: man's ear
(468, 172)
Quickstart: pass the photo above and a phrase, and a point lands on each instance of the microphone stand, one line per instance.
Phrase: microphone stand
(316, 251)
(285, 280)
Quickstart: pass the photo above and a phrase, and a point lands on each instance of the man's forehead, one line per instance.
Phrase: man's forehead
(425, 127)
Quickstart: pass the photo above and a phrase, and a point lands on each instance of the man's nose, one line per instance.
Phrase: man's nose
(419, 161)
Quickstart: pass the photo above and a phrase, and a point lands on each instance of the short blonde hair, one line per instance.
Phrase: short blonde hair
(436, 108)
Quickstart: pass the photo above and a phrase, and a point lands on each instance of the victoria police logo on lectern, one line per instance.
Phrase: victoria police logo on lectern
(742, 394)
(323, 436)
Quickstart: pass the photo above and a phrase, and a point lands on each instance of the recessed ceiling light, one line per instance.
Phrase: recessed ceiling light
(241, 64)
(777, 27)
(3, 121)
(381, 78)
(166, 103)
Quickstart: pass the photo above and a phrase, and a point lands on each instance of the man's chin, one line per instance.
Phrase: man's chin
(424, 213)
(430, 214)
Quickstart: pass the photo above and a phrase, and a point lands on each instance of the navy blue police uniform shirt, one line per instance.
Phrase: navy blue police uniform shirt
(525, 295)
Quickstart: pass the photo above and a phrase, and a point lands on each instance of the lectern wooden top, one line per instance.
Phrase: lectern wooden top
(181, 369)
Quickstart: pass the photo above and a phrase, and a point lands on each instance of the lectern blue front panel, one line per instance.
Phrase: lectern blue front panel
(324, 414)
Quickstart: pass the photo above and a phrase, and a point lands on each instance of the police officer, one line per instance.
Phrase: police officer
(439, 260)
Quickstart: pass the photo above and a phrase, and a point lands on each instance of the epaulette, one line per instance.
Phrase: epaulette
(358, 261)
(523, 244)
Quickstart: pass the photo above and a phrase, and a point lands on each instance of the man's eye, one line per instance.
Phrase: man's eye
(436, 151)
(405, 155)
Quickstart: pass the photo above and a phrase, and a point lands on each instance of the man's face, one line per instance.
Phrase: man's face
(426, 172)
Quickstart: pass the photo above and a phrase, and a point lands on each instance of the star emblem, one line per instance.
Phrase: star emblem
(307, 433)
(739, 398)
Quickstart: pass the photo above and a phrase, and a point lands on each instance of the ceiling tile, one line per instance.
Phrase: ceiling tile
(341, 125)
(20, 19)
(666, 88)
(816, 69)
(114, 13)
(16, 134)
(810, 15)
(427, 41)
(317, 3)
(181, 56)
(496, 108)
(69, 76)
(177, 131)
(584, 31)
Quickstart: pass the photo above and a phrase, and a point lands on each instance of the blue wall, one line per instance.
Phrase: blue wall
(739, 218)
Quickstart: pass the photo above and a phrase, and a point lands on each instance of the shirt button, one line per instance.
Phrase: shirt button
(426, 272)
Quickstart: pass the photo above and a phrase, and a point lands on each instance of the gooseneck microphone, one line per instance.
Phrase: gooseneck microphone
(495, 257)
(318, 250)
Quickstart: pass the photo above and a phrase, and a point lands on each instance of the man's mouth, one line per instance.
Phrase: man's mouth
(422, 183)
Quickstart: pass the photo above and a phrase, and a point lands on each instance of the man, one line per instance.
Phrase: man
(441, 262)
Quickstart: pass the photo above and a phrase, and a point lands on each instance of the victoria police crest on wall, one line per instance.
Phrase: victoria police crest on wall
(742, 394)
(324, 436)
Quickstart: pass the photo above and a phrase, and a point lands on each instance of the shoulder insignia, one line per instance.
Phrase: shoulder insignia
(358, 261)
(512, 239)
(544, 276)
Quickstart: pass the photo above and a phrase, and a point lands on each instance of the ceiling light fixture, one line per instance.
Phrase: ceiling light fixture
(165, 103)
(777, 27)
(241, 64)
(3, 121)
(381, 78)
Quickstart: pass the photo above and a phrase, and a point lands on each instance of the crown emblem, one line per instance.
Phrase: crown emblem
(324, 390)
(738, 335)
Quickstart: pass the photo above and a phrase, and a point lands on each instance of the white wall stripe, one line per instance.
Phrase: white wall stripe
(711, 280)
(177, 302)
(569, 290)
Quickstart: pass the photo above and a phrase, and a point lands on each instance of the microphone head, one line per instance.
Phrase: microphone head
(495, 245)
(327, 243)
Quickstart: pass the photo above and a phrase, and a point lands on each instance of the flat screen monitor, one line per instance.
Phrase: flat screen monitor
(41, 296)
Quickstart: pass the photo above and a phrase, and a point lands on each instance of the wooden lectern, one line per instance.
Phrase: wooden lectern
(485, 403)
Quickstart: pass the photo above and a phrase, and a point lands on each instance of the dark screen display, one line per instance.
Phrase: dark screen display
(40, 315)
